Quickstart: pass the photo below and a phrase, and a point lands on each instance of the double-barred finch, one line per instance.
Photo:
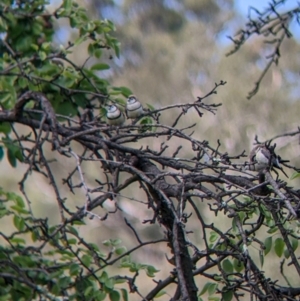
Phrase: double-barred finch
(261, 158)
(114, 115)
(134, 108)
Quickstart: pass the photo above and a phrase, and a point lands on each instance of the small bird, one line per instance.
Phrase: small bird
(114, 115)
(261, 158)
(134, 108)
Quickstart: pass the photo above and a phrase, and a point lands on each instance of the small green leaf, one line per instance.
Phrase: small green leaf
(279, 246)
(11, 158)
(295, 175)
(151, 270)
(227, 266)
(294, 242)
(114, 296)
(212, 288)
(103, 277)
(261, 257)
(150, 106)
(125, 294)
(227, 296)
(122, 90)
(5, 127)
(116, 242)
(205, 288)
(286, 253)
(72, 230)
(42, 55)
(74, 269)
(121, 250)
(159, 294)
(88, 291)
(18, 241)
(72, 241)
(107, 242)
(80, 40)
(238, 265)
(86, 260)
(268, 245)
(272, 230)
(213, 236)
(100, 67)
(109, 283)
(19, 223)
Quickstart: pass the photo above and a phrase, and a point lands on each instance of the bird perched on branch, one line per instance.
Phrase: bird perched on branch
(134, 108)
(263, 157)
(114, 115)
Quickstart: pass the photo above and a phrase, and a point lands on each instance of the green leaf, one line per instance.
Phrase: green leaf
(125, 294)
(42, 55)
(150, 106)
(18, 241)
(159, 294)
(151, 270)
(279, 246)
(205, 288)
(66, 108)
(227, 296)
(272, 230)
(116, 242)
(238, 265)
(88, 291)
(100, 67)
(86, 260)
(72, 241)
(64, 282)
(268, 245)
(72, 230)
(121, 250)
(80, 40)
(295, 175)
(107, 242)
(19, 223)
(213, 236)
(110, 283)
(74, 269)
(294, 243)
(286, 253)
(212, 288)
(13, 151)
(80, 223)
(261, 258)
(122, 90)
(11, 158)
(5, 127)
(227, 266)
(99, 295)
(114, 296)
(103, 277)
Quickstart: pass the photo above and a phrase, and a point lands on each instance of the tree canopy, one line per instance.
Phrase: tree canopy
(163, 206)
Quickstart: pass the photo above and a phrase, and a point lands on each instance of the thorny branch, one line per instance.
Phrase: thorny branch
(171, 187)
(273, 26)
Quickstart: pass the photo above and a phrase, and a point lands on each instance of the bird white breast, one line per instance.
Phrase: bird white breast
(261, 158)
(115, 116)
(134, 109)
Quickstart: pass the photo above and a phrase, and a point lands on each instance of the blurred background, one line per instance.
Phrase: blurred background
(171, 52)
